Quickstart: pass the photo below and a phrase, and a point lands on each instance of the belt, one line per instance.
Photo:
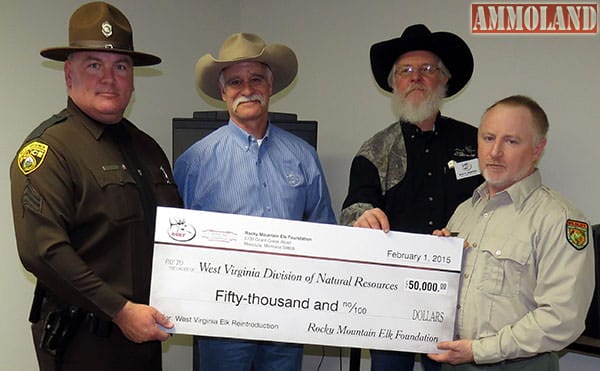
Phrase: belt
(513, 360)
(96, 326)
(521, 359)
(90, 322)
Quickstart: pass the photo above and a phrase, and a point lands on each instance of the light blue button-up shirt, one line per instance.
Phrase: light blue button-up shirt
(228, 171)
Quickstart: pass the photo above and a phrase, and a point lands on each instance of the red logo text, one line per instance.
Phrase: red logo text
(534, 18)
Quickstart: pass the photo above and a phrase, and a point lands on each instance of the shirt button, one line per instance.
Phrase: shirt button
(474, 244)
(466, 275)
(265, 185)
(458, 306)
(485, 215)
(426, 150)
(430, 222)
(498, 252)
(429, 173)
(430, 198)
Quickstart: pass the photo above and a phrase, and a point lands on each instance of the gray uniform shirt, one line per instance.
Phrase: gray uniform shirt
(528, 273)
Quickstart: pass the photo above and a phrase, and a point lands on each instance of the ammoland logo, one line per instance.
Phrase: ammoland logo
(534, 18)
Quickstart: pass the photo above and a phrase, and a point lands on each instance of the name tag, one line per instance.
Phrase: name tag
(465, 169)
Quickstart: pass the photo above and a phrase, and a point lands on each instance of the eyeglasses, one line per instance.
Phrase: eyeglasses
(424, 70)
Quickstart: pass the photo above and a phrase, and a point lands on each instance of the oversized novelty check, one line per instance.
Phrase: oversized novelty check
(257, 278)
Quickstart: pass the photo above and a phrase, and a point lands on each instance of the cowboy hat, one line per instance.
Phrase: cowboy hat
(451, 49)
(99, 26)
(246, 47)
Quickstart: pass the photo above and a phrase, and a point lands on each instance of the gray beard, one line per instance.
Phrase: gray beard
(415, 113)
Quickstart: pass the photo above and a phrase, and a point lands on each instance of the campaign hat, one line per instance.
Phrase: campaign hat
(98, 26)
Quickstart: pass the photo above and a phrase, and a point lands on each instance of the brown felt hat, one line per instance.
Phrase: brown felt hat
(246, 47)
(99, 26)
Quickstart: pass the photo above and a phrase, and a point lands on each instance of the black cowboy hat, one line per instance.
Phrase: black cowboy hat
(451, 49)
(99, 26)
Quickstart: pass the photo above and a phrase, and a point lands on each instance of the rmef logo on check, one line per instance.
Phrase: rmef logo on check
(534, 18)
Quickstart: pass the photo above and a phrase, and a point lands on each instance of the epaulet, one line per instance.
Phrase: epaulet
(53, 120)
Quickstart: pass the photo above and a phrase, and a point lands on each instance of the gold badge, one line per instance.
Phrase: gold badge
(106, 29)
(577, 233)
(31, 157)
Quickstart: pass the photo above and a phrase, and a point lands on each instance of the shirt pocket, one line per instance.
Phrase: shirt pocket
(164, 187)
(293, 175)
(119, 197)
(504, 265)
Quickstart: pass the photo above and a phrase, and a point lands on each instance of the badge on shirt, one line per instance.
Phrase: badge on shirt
(31, 157)
(465, 169)
(577, 233)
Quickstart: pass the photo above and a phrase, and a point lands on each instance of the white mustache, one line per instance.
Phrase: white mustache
(243, 99)
(414, 87)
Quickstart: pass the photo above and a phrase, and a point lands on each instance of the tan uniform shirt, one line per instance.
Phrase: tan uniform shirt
(528, 274)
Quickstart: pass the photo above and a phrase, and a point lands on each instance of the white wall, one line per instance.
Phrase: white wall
(334, 86)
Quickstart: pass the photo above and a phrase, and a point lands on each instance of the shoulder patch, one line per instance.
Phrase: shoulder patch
(31, 156)
(577, 233)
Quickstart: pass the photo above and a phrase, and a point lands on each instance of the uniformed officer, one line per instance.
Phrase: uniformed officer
(411, 176)
(85, 185)
(528, 268)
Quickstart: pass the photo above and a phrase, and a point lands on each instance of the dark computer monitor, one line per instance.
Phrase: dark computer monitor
(187, 131)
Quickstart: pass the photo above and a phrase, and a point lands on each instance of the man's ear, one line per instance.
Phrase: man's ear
(222, 90)
(67, 71)
(446, 79)
(539, 149)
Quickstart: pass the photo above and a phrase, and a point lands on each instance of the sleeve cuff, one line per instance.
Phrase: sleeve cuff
(486, 350)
